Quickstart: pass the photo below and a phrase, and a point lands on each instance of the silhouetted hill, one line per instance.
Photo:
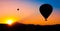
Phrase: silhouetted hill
(30, 27)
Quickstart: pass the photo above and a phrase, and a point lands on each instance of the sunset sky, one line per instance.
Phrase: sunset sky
(29, 11)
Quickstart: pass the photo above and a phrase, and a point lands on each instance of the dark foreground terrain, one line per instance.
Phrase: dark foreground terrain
(30, 27)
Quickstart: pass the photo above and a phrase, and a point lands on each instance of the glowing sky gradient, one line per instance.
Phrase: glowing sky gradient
(29, 11)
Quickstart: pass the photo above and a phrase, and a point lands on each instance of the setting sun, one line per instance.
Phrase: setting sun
(9, 22)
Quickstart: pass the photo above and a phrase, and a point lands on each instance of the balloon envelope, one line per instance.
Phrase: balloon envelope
(45, 10)
(18, 9)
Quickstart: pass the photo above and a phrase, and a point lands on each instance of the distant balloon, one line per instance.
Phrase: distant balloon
(46, 10)
(18, 9)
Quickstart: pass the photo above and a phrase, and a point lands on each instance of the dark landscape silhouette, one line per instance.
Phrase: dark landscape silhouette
(29, 27)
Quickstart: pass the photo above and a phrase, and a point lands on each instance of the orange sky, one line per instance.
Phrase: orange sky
(28, 14)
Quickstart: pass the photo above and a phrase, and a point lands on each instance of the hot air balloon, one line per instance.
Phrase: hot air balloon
(46, 10)
(18, 9)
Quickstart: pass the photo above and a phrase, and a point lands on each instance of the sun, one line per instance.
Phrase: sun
(9, 21)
